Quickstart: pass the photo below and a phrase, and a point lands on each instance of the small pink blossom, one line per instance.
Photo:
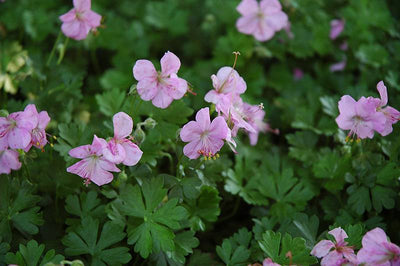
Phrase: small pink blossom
(392, 116)
(38, 134)
(15, 129)
(344, 46)
(80, 20)
(337, 26)
(205, 138)
(334, 252)
(339, 66)
(360, 117)
(298, 74)
(120, 149)
(9, 161)
(255, 117)
(269, 262)
(227, 82)
(377, 250)
(93, 167)
(261, 19)
(160, 87)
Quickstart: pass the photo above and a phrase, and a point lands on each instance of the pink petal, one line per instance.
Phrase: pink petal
(247, 24)
(81, 168)
(175, 87)
(19, 138)
(338, 66)
(347, 105)
(191, 150)
(331, 259)
(253, 138)
(80, 152)
(114, 152)
(69, 16)
(133, 153)
(9, 161)
(101, 177)
(107, 166)
(93, 19)
(277, 21)
(247, 7)
(212, 96)
(263, 31)
(29, 118)
(190, 132)
(339, 234)
(212, 145)
(98, 144)
(3, 143)
(270, 6)
(382, 92)
(71, 29)
(203, 119)
(218, 128)
(82, 5)
(269, 262)
(147, 89)
(170, 64)
(162, 99)
(374, 238)
(44, 120)
(337, 26)
(144, 69)
(84, 29)
(322, 248)
(123, 125)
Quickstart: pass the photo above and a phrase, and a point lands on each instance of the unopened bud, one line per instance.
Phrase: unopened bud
(149, 123)
(139, 135)
(123, 176)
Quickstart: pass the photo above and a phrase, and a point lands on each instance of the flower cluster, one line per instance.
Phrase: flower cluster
(100, 158)
(79, 21)
(376, 250)
(367, 115)
(20, 131)
(261, 19)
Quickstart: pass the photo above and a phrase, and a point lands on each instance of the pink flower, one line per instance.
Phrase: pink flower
(269, 262)
(120, 149)
(93, 166)
(9, 161)
(80, 20)
(377, 250)
(160, 87)
(334, 252)
(261, 19)
(360, 117)
(298, 74)
(339, 66)
(337, 26)
(391, 114)
(225, 83)
(205, 138)
(255, 117)
(15, 129)
(38, 134)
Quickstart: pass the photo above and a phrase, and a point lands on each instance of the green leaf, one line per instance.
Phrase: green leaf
(4, 247)
(374, 55)
(155, 220)
(32, 255)
(72, 135)
(306, 227)
(278, 248)
(84, 240)
(383, 197)
(184, 244)
(329, 106)
(114, 78)
(18, 208)
(236, 250)
(110, 102)
(355, 234)
(359, 199)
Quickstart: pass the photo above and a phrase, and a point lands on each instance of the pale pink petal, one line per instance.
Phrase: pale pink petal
(71, 29)
(144, 69)
(69, 16)
(339, 234)
(147, 88)
(133, 153)
(190, 132)
(337, 26)
(382, 92)
(269, 262)
(81, 168)
(277, 21)
(212, 96)
(114, 152)
(107, 165)
(175, 87)
(123, 125)
(84, 29)
(374, 237)
(331, 259)
(162, 99)
(218, 128)
(212, 145)
(170, 64)
(93, 19)
(80, 152)
(322, 248)
(247, 7)
(3, 143)
(98, 144)
(263, 31)
(269, 7)
(19, 138)
(347, 105)
(253, 138)
(247, 24)
(203, 119)
(9, 161)
(44, 120)
(191, 150)
(338, 66)
(82, 5)
(101, 177)
(29, 118)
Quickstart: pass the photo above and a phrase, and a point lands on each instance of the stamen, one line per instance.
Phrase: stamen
(236, 57)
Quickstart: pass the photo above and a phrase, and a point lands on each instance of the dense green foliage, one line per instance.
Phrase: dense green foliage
(281, 195)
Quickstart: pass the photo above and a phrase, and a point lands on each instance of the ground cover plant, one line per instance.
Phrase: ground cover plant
(215, 132)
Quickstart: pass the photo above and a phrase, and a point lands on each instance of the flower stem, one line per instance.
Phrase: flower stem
(53, 49)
